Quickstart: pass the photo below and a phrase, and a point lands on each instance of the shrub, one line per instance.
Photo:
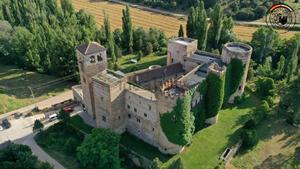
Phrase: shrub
(260, 11)
(70, 145)
(265, 86)
(249, 138)
(148, 49)
(245, 14)
(264, 107)
(250, 124)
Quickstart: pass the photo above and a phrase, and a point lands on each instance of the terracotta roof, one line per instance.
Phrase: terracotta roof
(90, 48)
(160, 72)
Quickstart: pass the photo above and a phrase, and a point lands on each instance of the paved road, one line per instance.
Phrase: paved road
(21, 133)
(43, 104)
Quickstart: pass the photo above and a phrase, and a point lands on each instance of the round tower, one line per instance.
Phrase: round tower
(242, 52)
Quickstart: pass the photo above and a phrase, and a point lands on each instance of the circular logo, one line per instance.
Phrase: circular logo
(281, 16)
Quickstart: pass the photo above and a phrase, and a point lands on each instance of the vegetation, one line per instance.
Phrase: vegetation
(214, 94)
(216, 137)
(38, 125)
(14, 91)
(155, 164)
(100, 150)
(234, 74)
(18, 156)
(60, 142)
(64, 116)
(178, 125)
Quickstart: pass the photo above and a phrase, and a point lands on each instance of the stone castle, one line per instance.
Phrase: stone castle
(135, 101)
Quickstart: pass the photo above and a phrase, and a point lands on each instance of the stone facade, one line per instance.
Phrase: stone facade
(134, 102)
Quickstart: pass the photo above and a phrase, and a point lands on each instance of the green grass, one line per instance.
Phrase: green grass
(277, 146)
(133, 143)
(77, 122)
(209, 143)
(144, 63)
(14, 92)
(53, 141)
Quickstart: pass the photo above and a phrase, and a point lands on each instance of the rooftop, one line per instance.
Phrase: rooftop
(238, 47)
(183, 41)
(90, 48)
(108, 77)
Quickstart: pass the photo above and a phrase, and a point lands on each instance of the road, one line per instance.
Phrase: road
(21, 133)
(42, 104)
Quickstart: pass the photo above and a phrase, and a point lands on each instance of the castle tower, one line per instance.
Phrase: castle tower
(240, 51)
(179, 48)
(91, 59)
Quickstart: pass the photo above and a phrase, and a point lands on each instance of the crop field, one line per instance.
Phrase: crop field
(147, 19)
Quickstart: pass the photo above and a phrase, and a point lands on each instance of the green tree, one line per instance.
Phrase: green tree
(214, 95)
(64, 116)
(215, 27)
(264, 42)
(280, 66)
(38, 125)
(17, 156)
(180, 32)
(110, 41)
(100, 150)
(292, 60)
(139, 55)
(127, 30)
(249, 137)
(265, 86)
(155, 164)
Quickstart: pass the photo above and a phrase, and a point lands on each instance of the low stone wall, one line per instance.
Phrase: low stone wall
(165, 146)
(212, 120)
(136, 158)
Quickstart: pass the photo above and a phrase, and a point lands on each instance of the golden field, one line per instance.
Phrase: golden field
(147, 19)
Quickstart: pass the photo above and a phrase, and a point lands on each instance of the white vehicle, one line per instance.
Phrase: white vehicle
(1, 128)
(53, 117)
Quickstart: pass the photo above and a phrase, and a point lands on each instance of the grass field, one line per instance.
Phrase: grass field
(14, 92)
(276, 148)
(144, 63)
(208, 144)
(147, 19)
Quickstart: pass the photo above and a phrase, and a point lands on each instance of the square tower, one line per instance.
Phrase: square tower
(179, 48)
(92, 59)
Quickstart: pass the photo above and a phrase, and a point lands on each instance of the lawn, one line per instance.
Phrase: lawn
(145, 62)
(77, 122)
(209, 143)
(14, 92)
(277, 146)
(133, 143)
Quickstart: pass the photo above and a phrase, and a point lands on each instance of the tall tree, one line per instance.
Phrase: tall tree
(190, 26)
(215, 27)
(180, 32)
(292, 59)
(100, 150)
(264, 42)
(127, 30)
(110, 40)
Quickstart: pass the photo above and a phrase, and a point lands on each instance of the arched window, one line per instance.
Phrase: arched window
(99, 58)
(92, 59)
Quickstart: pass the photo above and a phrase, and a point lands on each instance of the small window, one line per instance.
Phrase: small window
(135, 110)
(145, 115)
(84, 80)
(104, 118)
(99, 58)
(138, 120)
(92, 59)
(128, 107)
(152, 129)
(240, 88)
(101, 98)
(149, 107)
(172, 60)
(129, 116)
(119, 117)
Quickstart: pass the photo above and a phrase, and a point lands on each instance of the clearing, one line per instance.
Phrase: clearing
(277, 146)
(147, 19)
(14, 91)
(209, 143)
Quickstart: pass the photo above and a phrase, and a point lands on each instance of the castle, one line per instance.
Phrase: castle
(135, 101)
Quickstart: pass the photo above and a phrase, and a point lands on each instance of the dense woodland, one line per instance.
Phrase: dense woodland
(41, 35)
(238, 9)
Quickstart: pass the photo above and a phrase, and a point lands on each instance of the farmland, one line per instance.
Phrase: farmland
(147, 19)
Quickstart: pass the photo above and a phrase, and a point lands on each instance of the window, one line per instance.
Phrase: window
(138, 120)
(172, 60)
(84, 80)
(129, 116)
(135, 110)
(99, 58)
(104, 118)
(92, 59)
(119, 117)
(101, 98)
(152, 129)
(240, 88)
(128, 107)
(145, 115)
(149, 107)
